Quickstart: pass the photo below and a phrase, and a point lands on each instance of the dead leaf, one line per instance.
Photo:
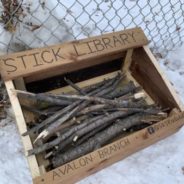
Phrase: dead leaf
(35, 27)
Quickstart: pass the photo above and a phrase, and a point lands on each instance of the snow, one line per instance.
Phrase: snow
(13, 164)
(51, 31)
(159, 163)
(174, 67)
(62, 20)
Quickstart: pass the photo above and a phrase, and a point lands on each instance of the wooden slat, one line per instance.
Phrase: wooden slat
(125, 68)
(164, 78)
(29, 116)
(21, 124)
(105, 156)
(34, 61)
(128, 60)
(146, 71)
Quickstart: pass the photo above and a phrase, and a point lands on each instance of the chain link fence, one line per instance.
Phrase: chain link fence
(26, 24)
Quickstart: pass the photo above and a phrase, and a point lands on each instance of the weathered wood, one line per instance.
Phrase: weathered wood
(55, 142)
(88, 85)
(90, 125)
(121, 91)
(99, 139)
(115, 102)
(42, 97)
(69, 54)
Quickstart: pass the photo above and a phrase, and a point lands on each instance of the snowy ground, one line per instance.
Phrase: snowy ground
(160, 163)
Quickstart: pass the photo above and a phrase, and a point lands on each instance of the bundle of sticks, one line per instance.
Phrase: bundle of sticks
(76, 124)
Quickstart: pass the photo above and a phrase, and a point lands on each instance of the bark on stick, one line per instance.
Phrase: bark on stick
(98, 140)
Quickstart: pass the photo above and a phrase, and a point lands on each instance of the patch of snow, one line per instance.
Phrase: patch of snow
(13, 164)
(173, 65)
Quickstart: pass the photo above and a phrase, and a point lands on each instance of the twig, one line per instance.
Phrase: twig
(52, 128)
(33, 110)
(98, 140)
(51, 119)
(99, 122)
(115, 102)
(42, 97)
(74, 86)
(55, 142)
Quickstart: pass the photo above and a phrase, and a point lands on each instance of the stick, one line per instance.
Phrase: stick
(98, 140)
(92, 108)
(55, 142)
(102, 86)
(61, 112)
(52, 118)
(90, 134)
(42, 97)
(129, 88)
(115, 102)
(104, 122)
(71, 122)
(31, 109)
(56, 124)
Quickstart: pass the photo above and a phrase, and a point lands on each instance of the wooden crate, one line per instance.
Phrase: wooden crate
(131, 54)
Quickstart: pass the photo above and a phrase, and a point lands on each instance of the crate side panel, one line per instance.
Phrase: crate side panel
(152, 79)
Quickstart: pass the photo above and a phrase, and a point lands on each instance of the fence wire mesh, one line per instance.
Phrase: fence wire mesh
(26, 24)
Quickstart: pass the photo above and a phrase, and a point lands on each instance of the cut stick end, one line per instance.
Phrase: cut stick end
(41, 136)
(48, 155)
(139, 95)
(75, 138)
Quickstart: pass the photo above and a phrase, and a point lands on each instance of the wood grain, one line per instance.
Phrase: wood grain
(70, 55)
